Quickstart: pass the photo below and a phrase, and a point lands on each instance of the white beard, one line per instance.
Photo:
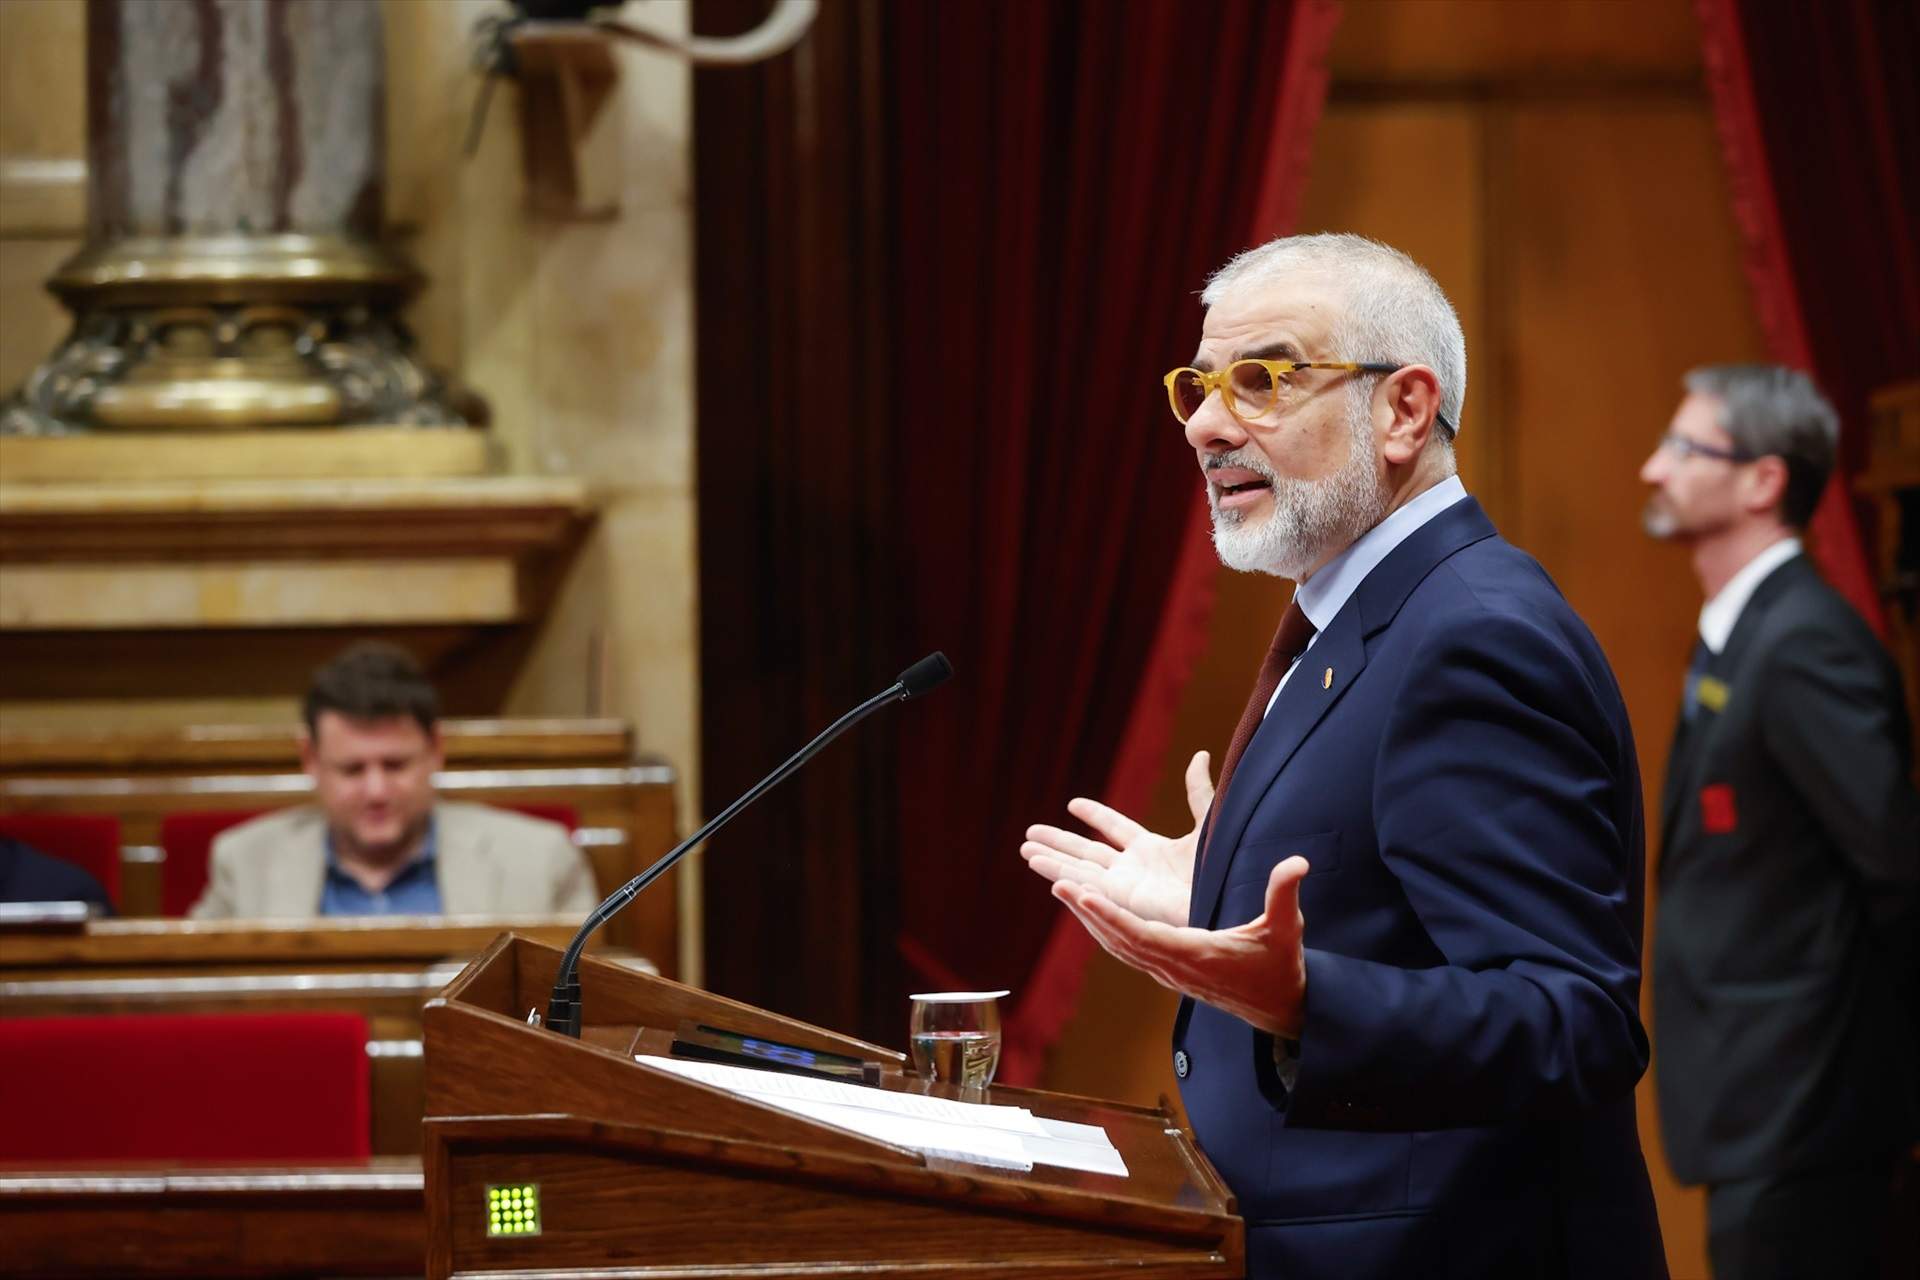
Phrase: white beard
(1658, 519)
(1306, 519)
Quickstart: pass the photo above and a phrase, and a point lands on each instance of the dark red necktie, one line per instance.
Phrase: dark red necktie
(1289, 642)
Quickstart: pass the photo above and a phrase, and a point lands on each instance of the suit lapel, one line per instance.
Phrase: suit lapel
(1310, 693)
(1688, 754)
(1684, 769)
(1679, 772)
(1302, 704)
(1794, 572)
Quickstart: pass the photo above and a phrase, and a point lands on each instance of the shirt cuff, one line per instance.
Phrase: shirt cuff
(1286, 1061)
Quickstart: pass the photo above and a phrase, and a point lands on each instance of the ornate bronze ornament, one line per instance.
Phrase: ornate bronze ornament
(234, 275)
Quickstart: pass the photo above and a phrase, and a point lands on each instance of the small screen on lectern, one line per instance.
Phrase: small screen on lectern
(717, 1044)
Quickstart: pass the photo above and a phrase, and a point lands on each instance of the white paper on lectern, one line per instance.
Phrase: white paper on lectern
(1011, 1137)
(785, 1084)
(993, 1147)
(903, 1119)
(1076, 1146)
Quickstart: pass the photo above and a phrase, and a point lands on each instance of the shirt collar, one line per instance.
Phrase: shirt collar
(423, 860)
(1322, 596)
(1720, 614)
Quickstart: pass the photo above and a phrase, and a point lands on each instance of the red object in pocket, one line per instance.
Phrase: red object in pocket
(1717, 812)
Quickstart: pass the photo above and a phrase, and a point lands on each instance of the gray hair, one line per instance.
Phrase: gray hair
(1771, 410)
(1394, 312)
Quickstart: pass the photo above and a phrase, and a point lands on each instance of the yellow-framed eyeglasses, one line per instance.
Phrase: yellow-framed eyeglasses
(1255, 388)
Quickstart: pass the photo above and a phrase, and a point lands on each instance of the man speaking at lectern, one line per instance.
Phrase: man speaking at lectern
(1407, 922)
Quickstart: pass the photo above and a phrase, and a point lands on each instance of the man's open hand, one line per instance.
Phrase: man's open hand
(1256, 971)
(1149, 876)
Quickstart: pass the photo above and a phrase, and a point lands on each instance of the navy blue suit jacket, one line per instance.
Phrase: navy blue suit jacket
(28, 875)
(1453, 758)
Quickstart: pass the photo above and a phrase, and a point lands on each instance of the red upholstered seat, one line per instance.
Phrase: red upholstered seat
(86, 840)
(187, 839)
(268, 1086)
(563, 814)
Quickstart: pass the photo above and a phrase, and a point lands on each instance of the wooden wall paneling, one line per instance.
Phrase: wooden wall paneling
(1444, 46)
(1624, 289)
(1628, 274)
(1412, 174)
(367, 1219)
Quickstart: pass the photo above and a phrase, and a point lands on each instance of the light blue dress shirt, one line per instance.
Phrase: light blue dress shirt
(414, 892)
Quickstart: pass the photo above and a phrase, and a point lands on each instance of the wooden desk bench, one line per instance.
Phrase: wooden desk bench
(625, 805)
(214, 1221)
(384, 968)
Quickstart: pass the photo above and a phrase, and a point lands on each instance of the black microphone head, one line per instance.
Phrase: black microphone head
(928, 673)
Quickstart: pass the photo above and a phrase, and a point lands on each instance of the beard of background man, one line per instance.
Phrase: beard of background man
(1306, 519)
(1658, 519)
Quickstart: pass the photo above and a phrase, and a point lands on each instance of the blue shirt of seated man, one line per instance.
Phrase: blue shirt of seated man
(415, 891)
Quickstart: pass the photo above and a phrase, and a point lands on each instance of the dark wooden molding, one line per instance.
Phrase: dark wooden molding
(1619, 88)
(348, 1220)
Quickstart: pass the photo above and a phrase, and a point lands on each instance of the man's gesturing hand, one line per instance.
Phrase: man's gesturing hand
(1256, 971)
(1148, 875)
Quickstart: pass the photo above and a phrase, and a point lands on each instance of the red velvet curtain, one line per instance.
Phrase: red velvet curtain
(1818, 109)
(1067, 174)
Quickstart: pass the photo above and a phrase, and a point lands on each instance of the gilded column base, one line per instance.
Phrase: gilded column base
(228, 333)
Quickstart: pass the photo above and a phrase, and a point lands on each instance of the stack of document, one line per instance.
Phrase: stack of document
(1004, 1137)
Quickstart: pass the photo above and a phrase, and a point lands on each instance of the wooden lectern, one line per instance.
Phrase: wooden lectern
(636, 1171)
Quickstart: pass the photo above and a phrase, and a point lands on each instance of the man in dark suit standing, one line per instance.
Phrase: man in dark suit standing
(1407, 926)
(1790, 856)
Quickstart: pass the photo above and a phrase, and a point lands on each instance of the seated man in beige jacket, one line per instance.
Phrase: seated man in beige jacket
(377, 841)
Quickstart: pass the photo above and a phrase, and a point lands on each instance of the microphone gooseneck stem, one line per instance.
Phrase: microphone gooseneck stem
(563, 1008)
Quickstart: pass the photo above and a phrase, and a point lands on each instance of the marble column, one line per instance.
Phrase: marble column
(234, 274)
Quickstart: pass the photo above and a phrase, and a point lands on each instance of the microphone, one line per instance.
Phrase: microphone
(923, 676)
(563, 1006)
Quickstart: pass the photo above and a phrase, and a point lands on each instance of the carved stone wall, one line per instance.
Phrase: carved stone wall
(234, 275)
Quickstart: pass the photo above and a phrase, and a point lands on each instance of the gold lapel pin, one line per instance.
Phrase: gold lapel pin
(1712, 694)
(1326, 681)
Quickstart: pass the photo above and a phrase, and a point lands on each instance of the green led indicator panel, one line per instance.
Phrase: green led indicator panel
(514, 1210)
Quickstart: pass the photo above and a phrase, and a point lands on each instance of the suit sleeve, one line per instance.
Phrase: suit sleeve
(1501, 809)
(1832, 719)
(216, 901)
